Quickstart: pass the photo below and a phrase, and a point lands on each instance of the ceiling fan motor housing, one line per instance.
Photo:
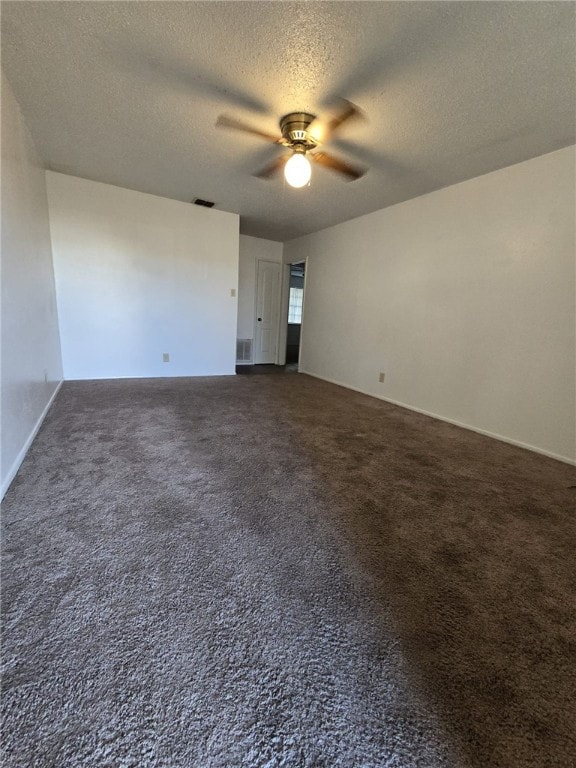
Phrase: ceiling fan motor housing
(294, 128)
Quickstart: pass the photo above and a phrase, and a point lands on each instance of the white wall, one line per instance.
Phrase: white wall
(31, 361)
(252, 250)
(465, 298)
(138, 276)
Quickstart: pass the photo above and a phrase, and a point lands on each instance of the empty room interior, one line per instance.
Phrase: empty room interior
(288, 384)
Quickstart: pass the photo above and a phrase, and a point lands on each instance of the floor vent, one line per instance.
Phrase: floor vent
(243, 350)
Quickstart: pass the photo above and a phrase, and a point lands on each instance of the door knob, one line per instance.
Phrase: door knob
(259, 319)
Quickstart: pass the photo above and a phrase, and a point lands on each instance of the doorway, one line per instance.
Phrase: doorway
(295, 304)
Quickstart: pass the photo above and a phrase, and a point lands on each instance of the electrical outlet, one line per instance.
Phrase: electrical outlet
(381, 377)
(233, 292)
(165, 357)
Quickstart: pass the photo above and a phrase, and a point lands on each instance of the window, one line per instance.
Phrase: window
(295, 305)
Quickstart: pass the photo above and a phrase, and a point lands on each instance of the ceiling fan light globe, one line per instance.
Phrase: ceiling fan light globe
(297, 170)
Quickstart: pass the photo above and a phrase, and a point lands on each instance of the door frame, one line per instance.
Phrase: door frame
(283, 319)
(283, 340)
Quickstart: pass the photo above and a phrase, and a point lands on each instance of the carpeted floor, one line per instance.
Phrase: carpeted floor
(271, 571)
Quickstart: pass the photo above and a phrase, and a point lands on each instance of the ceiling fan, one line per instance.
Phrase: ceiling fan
(303, 134)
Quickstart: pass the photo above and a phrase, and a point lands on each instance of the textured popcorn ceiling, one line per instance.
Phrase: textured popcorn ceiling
(128, 93)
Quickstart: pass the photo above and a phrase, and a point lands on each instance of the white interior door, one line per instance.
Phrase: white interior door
(267, 311)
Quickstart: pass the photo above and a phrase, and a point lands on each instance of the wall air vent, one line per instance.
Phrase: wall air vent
(205, 203)
(243, 350)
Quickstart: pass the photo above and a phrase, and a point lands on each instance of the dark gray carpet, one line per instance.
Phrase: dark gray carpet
(273, 571)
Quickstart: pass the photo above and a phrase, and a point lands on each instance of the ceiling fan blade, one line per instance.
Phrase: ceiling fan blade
(321, 129)
(272, 168)
(230, 122)
(329, 161)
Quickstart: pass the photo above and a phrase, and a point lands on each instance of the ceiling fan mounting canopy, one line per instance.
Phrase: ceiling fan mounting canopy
(294, 129)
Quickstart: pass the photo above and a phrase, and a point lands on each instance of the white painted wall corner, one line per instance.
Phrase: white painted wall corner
(16, 464)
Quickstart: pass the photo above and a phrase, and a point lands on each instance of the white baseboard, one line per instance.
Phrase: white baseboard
(20, 458)
(479, 431)
(115, 377)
